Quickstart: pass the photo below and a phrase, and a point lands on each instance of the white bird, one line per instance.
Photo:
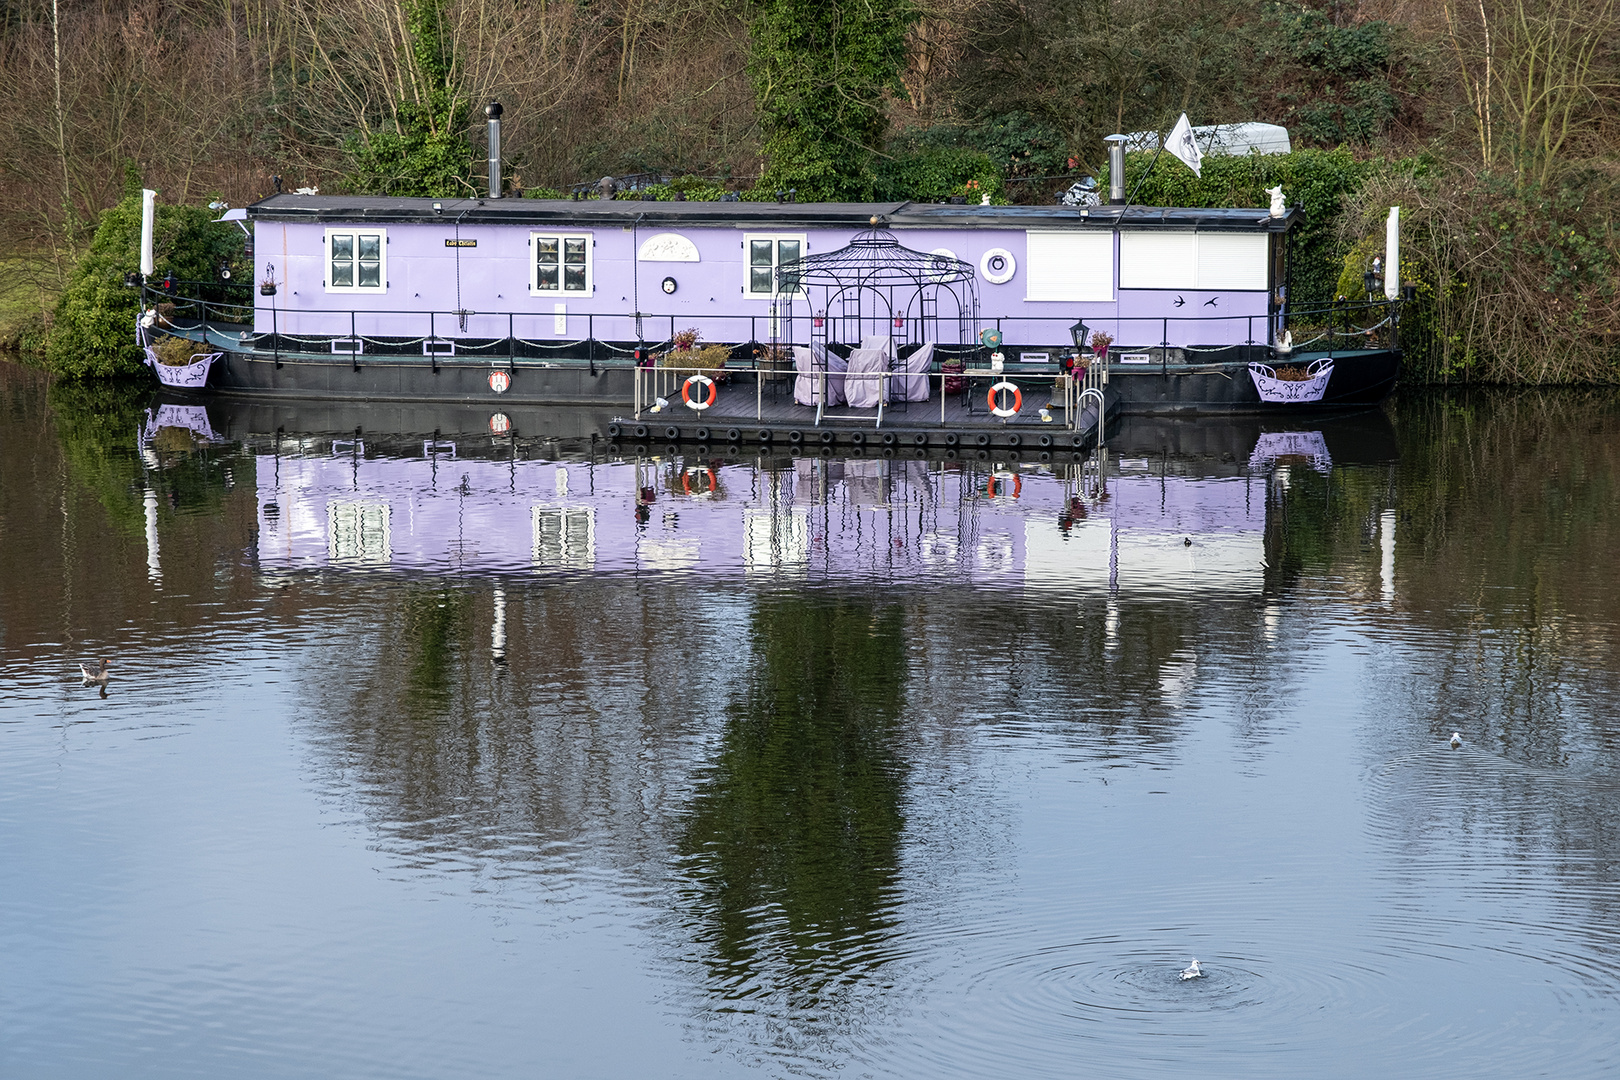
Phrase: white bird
(1192, 971)
(1456, 739)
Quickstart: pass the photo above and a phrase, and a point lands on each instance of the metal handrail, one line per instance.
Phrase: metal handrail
(1338, 317)
(651, 383)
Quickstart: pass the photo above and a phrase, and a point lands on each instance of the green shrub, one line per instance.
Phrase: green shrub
(694, 188)
(931, 173)
(93, 332)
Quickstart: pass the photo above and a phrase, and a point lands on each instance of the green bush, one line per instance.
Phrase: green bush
(931, 173)
(695, 188)
(93, 332)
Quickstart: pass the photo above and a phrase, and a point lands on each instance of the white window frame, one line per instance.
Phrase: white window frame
(776, 259)
(356, 231)
(561, 236)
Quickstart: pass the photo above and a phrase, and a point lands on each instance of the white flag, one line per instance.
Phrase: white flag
(1182, 144)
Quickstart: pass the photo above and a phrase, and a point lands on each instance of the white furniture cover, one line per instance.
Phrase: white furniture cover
(913, 385)
(865, 382)
(809, 362)
(877, 341)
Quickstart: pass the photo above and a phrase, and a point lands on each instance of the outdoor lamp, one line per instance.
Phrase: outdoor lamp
(1370, 282)
(1079, 332)
(133, 279)
(224, 270)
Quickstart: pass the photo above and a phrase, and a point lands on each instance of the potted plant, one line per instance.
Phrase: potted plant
(1099, 346)
(774, 361)
(689, 353)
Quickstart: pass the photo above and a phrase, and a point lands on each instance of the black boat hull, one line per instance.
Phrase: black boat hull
(1362, 377)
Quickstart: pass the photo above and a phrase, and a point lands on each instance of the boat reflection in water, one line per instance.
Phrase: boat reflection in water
(1141, 519)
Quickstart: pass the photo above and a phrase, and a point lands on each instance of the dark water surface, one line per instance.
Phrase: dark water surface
(433, 754)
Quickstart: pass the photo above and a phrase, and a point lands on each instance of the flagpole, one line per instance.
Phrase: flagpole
(1163, 139)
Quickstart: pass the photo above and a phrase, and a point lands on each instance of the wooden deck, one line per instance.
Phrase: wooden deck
(741, 414)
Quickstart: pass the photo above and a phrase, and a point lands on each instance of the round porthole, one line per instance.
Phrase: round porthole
(998, 266)
(669, 285)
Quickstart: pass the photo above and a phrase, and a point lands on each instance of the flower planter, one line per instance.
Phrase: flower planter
(1286, 385)
(185, 376)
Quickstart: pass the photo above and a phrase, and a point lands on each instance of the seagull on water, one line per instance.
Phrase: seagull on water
(1456, 739)
(1192, 971)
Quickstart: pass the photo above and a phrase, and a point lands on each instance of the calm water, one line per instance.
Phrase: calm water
(430, 754)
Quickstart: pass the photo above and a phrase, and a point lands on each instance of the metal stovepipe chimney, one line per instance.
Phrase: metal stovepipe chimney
(493, 112)
(1116, 169)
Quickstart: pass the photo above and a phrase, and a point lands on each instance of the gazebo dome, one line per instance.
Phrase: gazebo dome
(873, 259)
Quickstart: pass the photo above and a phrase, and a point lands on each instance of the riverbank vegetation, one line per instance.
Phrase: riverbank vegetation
(1491, 124)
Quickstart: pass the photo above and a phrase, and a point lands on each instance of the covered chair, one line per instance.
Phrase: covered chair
(868, 381)
(913, 385)
(810, 363)
(881, 342)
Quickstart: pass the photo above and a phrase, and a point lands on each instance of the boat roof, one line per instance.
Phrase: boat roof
(624, 213)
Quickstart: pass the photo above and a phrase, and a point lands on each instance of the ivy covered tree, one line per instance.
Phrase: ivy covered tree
(426, 153)
(821, 69)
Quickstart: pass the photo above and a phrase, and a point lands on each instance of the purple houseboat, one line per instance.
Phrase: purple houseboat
(813, 321)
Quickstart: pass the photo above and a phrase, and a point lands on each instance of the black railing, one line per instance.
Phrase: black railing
(626, 337)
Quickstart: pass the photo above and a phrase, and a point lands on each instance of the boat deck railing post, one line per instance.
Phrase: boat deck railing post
(354, 346)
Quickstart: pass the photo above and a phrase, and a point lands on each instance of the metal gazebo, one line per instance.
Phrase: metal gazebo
(878, 286)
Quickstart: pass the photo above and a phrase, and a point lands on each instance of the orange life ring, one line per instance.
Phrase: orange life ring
(1003, 387)
(992, 491)
(686, 481)
(686, 392)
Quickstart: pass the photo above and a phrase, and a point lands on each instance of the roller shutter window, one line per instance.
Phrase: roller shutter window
(1069, 266)
(1186, 260)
